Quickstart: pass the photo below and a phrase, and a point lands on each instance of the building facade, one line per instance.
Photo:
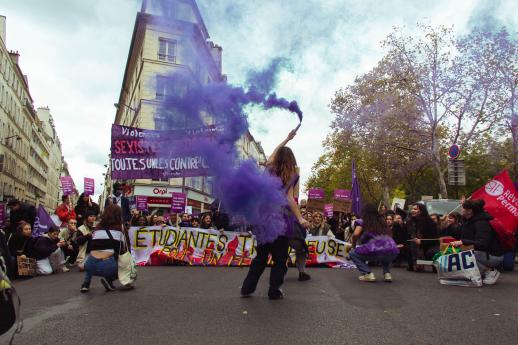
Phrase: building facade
(156, 51)
(30, 152)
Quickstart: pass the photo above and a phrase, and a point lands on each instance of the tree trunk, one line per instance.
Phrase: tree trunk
(440, 178)
(386, 196)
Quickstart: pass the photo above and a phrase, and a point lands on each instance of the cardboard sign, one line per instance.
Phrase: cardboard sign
(178, 202)
(141, 202)
(328, 210)
(316, 193)
(89, 186)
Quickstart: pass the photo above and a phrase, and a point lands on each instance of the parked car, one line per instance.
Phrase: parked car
(442, 206)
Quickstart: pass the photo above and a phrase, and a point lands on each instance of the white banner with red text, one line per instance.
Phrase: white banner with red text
(155, 246)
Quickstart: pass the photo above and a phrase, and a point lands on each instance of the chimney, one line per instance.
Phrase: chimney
(15, 56)
(2, 29)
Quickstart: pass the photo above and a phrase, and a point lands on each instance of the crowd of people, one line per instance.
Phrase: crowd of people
(93, 242)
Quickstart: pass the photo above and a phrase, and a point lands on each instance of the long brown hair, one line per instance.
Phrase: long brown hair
(111, 219)
(284, 164)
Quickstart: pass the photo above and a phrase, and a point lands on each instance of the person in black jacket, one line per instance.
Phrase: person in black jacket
(478, 232)
(19, 212)
(21, 243)
(423, 233)
(400, 236)
(85, 205)
(451, 226)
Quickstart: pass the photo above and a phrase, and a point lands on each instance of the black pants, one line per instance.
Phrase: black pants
(279, 251)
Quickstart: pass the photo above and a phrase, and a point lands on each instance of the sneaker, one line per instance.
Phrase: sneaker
(369, 277)
(491, 277)
(303, 276)
(64, 269)
(85, 288)
(387, 277)
(275, 294)
(108, 286)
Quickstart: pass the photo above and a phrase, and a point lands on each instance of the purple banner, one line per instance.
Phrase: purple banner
(152, 154)
(316, 193)
(328, 210)
(141, 202)
(2, 215)
(67, 185)
(178, 202)
(89, 186)
(342, 194)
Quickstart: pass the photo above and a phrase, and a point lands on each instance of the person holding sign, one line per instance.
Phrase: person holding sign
(281, 164)
(65, 211)
(478, 232)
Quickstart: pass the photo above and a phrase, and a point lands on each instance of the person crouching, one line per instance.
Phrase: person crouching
(106, 245)
(49, 254)
(372, 242)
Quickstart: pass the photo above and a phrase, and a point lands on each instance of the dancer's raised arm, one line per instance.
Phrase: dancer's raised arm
(290, 136)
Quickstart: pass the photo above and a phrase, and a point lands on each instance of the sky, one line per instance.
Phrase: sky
(74, 53)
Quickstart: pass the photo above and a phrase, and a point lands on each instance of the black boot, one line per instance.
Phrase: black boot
(85, 287)
(275, 294)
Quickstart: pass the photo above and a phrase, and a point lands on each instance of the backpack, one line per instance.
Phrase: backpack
(9, 303)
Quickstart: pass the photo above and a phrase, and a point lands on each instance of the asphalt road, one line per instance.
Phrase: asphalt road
(197, 305)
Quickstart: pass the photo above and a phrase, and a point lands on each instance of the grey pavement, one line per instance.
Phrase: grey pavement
(201, 305)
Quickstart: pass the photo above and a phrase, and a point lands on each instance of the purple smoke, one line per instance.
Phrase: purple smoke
(242, 187)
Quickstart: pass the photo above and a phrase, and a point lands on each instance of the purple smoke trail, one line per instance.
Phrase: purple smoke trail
(242, 187)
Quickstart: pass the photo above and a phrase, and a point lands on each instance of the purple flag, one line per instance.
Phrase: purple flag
(316, 193)
(42, 222)
(178, 202)
(89, 186)
(356, 194)
(67, 185)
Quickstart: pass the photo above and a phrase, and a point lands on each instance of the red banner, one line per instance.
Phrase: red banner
(501, 201)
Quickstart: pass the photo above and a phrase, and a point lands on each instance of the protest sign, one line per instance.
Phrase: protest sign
(178, 202)
(398, 203)
(89, 186)
(342, 194)
(328, 210)
(144, 153)
(67, 185)
(199, 247)
(316, 193)
(141, 202)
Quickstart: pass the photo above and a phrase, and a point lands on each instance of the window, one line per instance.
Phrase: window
(167, 50)
(161, 87)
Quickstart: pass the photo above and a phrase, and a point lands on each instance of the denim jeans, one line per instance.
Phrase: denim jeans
(361, 261)
(107, 268)
(485, 262)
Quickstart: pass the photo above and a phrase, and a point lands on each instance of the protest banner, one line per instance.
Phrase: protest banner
(153, 154)
(141, 202)
(316, 193)
(501, 200)
(89, 186)
(328, 210)
(178, 202)
(199, 247)
(67, 185)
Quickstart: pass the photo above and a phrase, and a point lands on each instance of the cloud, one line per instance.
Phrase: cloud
(75, 52)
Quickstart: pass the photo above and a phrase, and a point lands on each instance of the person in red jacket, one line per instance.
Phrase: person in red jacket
(65, 211)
